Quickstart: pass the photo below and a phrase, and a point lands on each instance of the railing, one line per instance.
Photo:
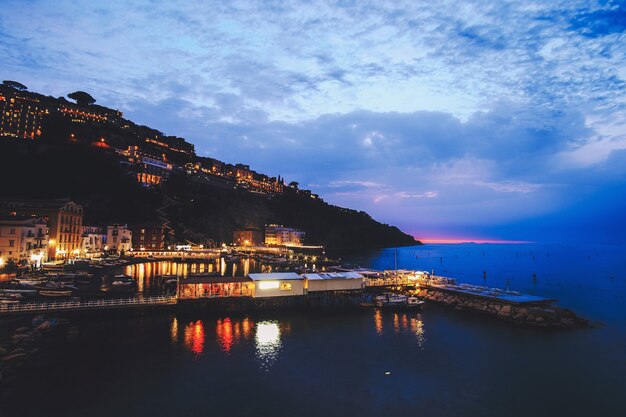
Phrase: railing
(93, 304)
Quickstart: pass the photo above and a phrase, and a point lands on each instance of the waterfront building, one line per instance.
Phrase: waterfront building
(277, 284)
(24, 239)
(280, 235)
(94, 240)
(247, 237)
(148, 237)
(334, 281)
(119, 238)
(194, 287)
(64, 218)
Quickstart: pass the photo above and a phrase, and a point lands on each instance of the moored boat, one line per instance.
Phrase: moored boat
(397, 301)
(55, 293)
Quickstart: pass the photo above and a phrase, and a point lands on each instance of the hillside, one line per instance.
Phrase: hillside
(198, 212)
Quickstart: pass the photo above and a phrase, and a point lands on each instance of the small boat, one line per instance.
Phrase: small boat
(396, 301)
(55, 293)
(9, 301)
(123, 280)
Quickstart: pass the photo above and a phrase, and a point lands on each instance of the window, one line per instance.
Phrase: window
(285, 286)
(12, 231)
(11, 243)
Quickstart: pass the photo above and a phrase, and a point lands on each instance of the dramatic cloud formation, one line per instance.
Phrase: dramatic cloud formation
(502, 120)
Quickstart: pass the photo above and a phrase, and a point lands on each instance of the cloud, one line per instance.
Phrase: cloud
(509, 110)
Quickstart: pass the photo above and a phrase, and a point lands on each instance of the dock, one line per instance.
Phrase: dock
(64, 306)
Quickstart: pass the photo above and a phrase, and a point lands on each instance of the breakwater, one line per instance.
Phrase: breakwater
(531, 313)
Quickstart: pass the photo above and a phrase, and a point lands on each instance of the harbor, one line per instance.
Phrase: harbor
(184, 285)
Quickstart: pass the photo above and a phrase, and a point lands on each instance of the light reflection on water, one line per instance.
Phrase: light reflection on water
(194, 337)
(403, 323)
(267, 343)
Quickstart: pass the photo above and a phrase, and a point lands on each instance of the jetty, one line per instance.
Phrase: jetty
(335, 287)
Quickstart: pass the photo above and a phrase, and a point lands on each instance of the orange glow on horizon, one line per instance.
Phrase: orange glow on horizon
(455, 240)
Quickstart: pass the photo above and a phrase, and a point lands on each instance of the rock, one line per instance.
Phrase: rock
(37, 320)
(3, 351)
(540, 319)
(506, 309)
(23, 329)
(20, 337)
(13, 357)
(45, 326)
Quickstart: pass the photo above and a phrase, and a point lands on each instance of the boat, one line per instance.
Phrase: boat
(55, 293)
(397, 301)
(122, 280)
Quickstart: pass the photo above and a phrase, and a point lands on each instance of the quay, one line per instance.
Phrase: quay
(277, 290)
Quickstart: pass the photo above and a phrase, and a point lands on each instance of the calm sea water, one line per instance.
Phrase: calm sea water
(438, 362)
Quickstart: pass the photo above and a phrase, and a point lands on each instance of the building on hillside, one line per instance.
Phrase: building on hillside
(21, 114)
(94, 240)
(64, 218)
(247, 237)
(24, 239)
(279, 235)
(149, 169)
(89, 113)
(119, 238)
(148, 237)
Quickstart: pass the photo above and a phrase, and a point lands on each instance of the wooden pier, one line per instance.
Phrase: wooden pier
(109, 303)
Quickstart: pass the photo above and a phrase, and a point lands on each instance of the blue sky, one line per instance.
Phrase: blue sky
(456, 119)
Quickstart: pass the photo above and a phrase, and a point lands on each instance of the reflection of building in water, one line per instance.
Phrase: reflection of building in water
(268, 343)
(174, 331)
(378, 321)
(194, 337)
(224, 332)
(417, 328)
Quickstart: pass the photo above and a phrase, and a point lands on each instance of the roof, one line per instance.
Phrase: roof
(334, 275)
(212, 279)
(275, 276)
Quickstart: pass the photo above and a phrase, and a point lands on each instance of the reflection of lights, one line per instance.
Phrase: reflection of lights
(194, 337)
(174, 331)
(417, 328)
(224, 330)
(378, 321)
(246, 326)
(267, 342)
(268, 285)
(396, 323)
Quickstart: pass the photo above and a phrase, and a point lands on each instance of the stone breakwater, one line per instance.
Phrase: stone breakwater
(523, 314)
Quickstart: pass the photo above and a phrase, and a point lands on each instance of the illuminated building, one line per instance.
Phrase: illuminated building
(280, 235)
(21, 115)
(89, 114)
(149, 170)
(65, 221)
(277, 284)
(93, 240)
(247, 237)
(24, 239)
(119, 238)
(148, 237)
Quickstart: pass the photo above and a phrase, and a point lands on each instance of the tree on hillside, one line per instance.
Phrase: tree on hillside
(15, 85)
(82, 98)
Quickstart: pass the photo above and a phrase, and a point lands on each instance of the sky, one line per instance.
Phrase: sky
(453, 120)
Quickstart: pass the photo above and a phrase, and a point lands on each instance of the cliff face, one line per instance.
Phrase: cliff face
(196, 212)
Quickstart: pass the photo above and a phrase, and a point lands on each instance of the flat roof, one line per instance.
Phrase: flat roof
(212, 279)
(275, 276)
(334, 275)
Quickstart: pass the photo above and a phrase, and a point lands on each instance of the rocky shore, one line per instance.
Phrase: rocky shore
(531, 315)
(20, 344)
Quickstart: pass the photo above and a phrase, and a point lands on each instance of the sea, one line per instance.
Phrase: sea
(361, 362)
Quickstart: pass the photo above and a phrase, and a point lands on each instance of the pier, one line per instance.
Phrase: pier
(109, 303)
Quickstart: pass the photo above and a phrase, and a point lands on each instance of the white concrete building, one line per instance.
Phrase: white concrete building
(277, 284)
(93, 240)
(334, 281)
(119, 238)
(283, 236)
(24, 239)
